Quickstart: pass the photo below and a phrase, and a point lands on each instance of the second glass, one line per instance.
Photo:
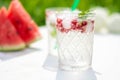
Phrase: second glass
(51, 62)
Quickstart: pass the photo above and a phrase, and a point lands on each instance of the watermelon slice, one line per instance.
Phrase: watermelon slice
(9, 38)
(26, 27)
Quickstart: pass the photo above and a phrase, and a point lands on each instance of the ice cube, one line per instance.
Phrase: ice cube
(67, 17)
(66, 23)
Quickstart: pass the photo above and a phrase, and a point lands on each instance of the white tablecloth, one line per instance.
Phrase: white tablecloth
(27, 64)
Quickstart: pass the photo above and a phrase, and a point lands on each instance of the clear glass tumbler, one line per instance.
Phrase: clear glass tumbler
(51, 62)
(75, 32)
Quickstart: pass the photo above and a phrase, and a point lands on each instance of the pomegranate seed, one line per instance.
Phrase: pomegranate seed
(59, 20)
(79, 26)
(67, 30)
(62, 30)
(74, 22)
(59, 25)
(74, 28)
(83, 29)
(92, 21)
(84, 23)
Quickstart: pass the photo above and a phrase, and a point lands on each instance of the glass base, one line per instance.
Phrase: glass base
(51, 63)
(88, 74)
(74, 68)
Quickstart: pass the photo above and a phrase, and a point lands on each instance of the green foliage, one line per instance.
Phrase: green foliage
(36, 8)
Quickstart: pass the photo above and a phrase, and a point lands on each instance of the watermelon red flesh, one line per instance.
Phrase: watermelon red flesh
(3, 15)
(26, 27)
(9, 38)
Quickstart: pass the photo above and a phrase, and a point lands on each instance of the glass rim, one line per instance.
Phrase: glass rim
(57, 8)
(89, 14)
(67, 10)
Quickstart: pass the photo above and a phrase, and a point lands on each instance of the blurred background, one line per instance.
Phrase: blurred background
(108, 9)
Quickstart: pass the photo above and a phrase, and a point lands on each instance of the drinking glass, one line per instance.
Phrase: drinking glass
(51, 62)
(75, 32)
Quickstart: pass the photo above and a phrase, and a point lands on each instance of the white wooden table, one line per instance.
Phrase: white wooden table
(27, 64)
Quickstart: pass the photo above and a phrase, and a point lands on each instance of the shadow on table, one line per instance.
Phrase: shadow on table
(9, 55)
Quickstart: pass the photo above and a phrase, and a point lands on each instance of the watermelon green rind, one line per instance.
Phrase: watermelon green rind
(33, 40)
(9, 38)
(12, 48)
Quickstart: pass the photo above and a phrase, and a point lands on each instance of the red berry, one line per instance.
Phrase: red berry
(74, 28)
(62, 30)
(59, 25)
(74, 22)
(84, 23)
(92, 21)
(83, 29)
(79, 26)
(67, 30)
(59, 20)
